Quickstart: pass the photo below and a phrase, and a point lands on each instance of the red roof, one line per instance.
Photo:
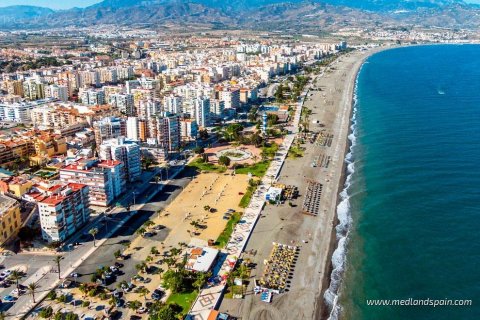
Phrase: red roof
(109, 163)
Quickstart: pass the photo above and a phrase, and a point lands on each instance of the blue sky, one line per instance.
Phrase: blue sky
(54, 4)
(66, 4)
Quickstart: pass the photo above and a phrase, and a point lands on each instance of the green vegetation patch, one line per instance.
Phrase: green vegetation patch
(258, 169)
(200, 165)
(183, 299)
(227, 232)
(295, 152)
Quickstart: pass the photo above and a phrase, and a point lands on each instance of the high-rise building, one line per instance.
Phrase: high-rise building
(57, 92)
(63, 210)
(148, 108)
(201, 107)
(188, 129)
(33, 89)
(100, 180)
(109, 128)
(173, 104)
(123, 102)
(167, 132)
(125, 151)
(92, 97)
(217, 107)
(231, 97)
(132, 128)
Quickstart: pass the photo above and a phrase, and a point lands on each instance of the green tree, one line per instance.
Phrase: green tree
(203, 134)
(174, 281)
(16, 275)
(224, 160)
(154, 250)
(134, 305)
(117, 254)
(93, 232)
(141, 231)
(142, 266)
(199, 150)
(143, 292)
(46, 312)
(167, 312)
(148, 223)
(201, 279)
(32, 289)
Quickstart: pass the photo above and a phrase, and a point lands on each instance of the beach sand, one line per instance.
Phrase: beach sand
(332, 107)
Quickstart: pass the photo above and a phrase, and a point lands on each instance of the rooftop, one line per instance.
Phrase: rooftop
(6, 203)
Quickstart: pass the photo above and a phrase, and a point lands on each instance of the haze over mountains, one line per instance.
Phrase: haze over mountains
(256, 14)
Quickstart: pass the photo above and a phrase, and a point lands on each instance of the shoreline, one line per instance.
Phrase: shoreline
(323, 310)
(315, 235)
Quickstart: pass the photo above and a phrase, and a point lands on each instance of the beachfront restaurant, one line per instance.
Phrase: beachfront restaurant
(201, 259)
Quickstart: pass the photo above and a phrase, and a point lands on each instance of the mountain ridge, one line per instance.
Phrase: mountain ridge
(255, 14)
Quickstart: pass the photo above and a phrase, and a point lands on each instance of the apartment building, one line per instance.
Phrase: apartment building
(63, 209)
(10, 220)
(100, 180)
(125, 151)
(109, 128)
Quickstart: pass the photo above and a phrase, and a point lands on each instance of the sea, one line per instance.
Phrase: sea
(410, 211)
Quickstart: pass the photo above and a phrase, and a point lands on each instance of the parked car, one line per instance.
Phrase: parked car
(119, 303)
(138, 278)
(157, 294)
(9, 298)
(158, 227)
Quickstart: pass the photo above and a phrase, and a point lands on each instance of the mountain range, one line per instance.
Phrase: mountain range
(256, 14)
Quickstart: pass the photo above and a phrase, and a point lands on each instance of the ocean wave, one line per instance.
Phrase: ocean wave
(344, 221)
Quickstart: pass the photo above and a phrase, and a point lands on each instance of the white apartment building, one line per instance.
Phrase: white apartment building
(123, 102)
(63, 211)
(201, 107)
(92, 97)
(57, 92)
(188, 129)
(173, 104)
(132, 128)
(102, 190)
(231, 98)
(125, 151)
(20, 112)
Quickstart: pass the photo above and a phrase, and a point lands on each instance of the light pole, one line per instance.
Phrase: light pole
(134, 193)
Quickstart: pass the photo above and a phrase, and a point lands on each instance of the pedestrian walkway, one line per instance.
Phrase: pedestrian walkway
(209, 298)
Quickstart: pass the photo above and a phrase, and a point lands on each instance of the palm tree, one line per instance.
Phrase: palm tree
(57, 260)
(16, 275)
(134, 305)
(159, 271)
(32, 288)
(143, 292)
(148, 223)
(141, 231)
(175, 251)
(93, 232)
(142, 266)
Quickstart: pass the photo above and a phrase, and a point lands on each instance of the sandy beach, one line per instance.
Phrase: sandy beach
(315, 235)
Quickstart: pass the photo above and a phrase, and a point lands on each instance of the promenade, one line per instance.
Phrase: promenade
(40, 266)
(209, 298)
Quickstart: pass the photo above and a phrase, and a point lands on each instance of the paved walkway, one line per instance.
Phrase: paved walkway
(48, 280)
(209, 298)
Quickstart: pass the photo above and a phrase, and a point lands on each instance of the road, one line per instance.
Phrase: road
(41, 268)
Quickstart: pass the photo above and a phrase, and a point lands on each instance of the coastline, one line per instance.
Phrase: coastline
(333, 269)
(315, 235)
